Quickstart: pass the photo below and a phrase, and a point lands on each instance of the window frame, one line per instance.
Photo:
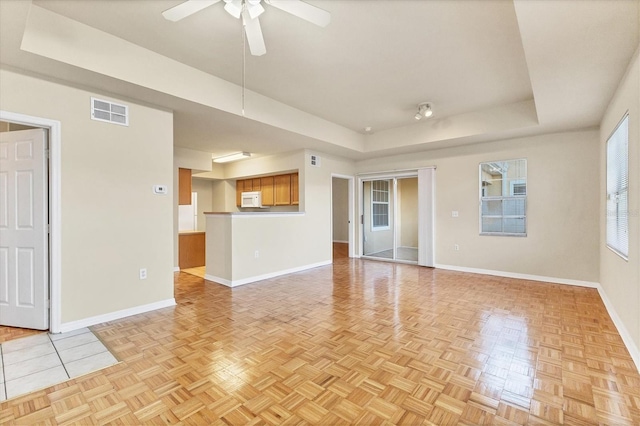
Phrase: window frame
(484, 198)
(387, 203)
(624, 254)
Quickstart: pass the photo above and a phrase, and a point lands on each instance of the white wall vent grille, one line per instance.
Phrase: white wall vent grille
(110, 112)
(315, 160)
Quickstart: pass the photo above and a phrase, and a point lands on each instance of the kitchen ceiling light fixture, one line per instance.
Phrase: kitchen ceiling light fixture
(424, 111)
(232, 157)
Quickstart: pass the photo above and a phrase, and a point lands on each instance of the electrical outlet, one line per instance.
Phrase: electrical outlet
(454, 213)
(143, 273)
(256, 254)
(456, 247)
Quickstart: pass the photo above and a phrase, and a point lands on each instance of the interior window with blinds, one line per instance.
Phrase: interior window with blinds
(503, 198)
(618, 189)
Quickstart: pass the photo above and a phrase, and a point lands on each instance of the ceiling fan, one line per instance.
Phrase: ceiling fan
(249, 10)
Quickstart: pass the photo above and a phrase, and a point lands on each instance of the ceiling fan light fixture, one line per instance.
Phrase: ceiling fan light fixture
(233, 8)
(255, 9)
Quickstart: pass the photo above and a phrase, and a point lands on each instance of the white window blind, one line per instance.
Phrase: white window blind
(380, 204)
(618, 189)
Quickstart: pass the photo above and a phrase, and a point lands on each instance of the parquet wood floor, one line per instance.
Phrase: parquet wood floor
(358, 342)
(12, 333)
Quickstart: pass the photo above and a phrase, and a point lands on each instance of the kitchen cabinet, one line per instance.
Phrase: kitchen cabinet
(282, 190)
(295, 192)
(184, 187)
(266, 185)
(191, 251)
(256, 184)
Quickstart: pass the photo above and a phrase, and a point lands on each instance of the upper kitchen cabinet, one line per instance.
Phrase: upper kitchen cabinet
(184, 187)
(295, 192)
(282, 190)
(266, 186)
(279, 190)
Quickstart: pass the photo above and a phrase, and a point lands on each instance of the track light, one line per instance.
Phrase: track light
(424, 111)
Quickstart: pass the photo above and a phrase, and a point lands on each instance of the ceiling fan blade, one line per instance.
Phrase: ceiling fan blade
(254, 34)
(187, 8)
(303, 10)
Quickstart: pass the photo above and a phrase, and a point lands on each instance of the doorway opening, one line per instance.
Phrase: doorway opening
(396, 217)
(390, 219)
(342, 216)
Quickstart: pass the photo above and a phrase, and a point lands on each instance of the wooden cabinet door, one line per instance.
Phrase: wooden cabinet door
(282, 191)
(239, 186)
(248, 185)
(184, 187)
(191, 250)
(266, 186)
(295, 191)
(256, 185)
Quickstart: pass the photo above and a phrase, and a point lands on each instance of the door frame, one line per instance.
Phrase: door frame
(426, 219)
(368, 177)
(351, 213)
(54, 128)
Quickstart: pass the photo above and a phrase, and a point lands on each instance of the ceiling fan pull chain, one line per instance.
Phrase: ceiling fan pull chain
(244, 61)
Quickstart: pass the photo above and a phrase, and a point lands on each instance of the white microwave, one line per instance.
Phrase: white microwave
(251, 199)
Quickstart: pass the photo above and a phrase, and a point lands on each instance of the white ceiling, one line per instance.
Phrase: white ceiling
(370, 66)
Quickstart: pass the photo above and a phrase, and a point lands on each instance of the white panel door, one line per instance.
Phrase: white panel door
(24, 275)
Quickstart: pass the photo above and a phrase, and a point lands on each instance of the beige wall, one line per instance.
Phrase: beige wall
(563, 206)
(340, 200)
(112, 223)
(620, 278)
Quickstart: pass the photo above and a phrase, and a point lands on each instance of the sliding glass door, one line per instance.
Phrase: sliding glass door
(390, 218)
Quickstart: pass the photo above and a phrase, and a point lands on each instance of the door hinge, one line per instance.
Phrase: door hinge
(47, 153)
(362, 219)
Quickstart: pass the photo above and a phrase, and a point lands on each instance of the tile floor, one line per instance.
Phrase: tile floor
(31, 363)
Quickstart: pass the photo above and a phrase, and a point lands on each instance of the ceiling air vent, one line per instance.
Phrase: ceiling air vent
(110, 112)
(315, 160)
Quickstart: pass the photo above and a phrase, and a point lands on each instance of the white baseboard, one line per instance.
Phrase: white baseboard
(98, 319)
(624, 333)
(519, 276)
(176, 269)
(236, 283)
(622, 330)
(341, 242)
